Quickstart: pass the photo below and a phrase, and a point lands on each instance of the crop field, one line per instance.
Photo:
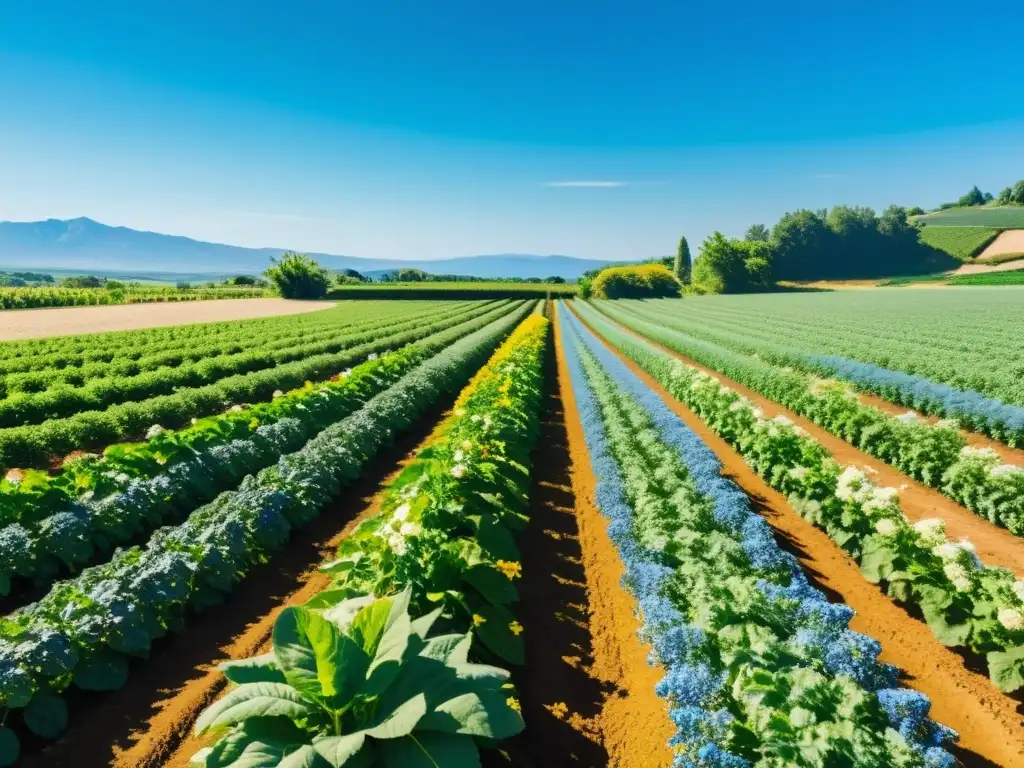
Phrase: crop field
(1008, 217)
(960, 242)
(504, 531)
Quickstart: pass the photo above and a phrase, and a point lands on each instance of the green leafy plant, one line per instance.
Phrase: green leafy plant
(360, 684)
(298, 276)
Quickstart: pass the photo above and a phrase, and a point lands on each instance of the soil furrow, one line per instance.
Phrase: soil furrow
(991, 725)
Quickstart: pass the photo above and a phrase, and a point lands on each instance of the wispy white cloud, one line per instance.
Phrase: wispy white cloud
(605, 184)
(586, 184)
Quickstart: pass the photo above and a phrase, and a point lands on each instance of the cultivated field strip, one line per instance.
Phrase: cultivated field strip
(84, 631)
(966, 340)
(965, 603)
(53, 524)
(937, 455)
(59, 394)
(41, 444)
(740, 633)
(124, 355)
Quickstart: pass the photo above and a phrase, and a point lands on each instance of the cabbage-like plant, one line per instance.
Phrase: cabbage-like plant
(358, 685)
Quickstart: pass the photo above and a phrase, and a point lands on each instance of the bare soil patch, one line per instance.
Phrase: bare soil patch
(1010, 241)
(63, 321)
(990, 724)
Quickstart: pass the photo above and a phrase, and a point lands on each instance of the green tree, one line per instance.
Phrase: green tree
(1017, 196)
(556, 279)
(915, 210)
(974, 197)
(1005, 197)
(758, 233)
(297, 276)
(682, 266)
(801, 241)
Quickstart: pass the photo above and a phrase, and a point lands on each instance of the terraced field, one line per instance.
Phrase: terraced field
(698, 532)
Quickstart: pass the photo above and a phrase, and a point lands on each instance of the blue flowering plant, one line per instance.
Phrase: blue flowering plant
(760, 669)
(964, 602)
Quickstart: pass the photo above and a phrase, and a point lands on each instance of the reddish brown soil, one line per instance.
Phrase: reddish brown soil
(148, 722)
(990, 724)
(996, 546)
(633, 721)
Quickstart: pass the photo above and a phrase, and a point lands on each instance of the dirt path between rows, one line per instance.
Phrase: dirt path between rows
(991, 725)
(632, 721)
(1009, 241)
(63, 321)
(148, 723)
(996, 546)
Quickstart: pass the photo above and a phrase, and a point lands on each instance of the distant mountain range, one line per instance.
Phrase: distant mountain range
(83, 244)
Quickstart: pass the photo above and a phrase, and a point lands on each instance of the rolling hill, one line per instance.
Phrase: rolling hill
(87, 245)
(998, 217)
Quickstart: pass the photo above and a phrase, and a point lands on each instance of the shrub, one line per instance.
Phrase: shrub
(297, 276)
(646, 281)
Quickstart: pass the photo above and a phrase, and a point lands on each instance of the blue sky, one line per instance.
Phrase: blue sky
(449, 128)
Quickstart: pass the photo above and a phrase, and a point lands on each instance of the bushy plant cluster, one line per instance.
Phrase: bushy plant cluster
(36, 444)
(760, 669)
(644, 281)
(934, 454)
(964, 603)
(84, 630)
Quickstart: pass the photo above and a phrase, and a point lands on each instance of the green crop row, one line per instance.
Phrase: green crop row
(37, 444)
(85, 630)
(963, 243)
(34, 298)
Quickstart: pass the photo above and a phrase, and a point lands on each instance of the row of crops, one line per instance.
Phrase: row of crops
(230, 489)
(34, 298)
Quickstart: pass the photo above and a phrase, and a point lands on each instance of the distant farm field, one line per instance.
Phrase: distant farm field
(1008, 217)
(467, 290)
(960, 242)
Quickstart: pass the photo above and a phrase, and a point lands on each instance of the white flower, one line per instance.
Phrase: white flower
(758, 413)
(947, 551)
(931, 530)
(235, 409)
(947, 424)
(475, 417)
(153, 431)
(987, 453)
(1018, 589)
(397, 544)
(909, 417)
(1011, 619)
(798, 472)
(798, 430)
(402, 512)
(967, 546)
(886, 527)
(410, 529)
(458, 455)
(1005, 470)
(278, 393)
(194, 421)
(467, 444)
(880, 498)
(372, 356)
(957, 574)
(783, 420)
(458, 471)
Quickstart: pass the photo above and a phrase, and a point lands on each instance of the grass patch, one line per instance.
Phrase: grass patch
(1010, 277)
(961, 243)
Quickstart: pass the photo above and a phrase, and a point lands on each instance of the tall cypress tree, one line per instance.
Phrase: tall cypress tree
(683, 264)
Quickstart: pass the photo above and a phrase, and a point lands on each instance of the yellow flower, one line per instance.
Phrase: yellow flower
(559, 709)
(515, 628)
(512, 570)
(467, 444)
(504, 388)
(513, 704)
(254, 423)
(504, 402)
(478, 620)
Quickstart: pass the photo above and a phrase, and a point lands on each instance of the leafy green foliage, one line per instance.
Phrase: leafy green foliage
(297, 276)
(683, 264)
(960, 242)
(637, 282)
(732, 266)
(360, 684)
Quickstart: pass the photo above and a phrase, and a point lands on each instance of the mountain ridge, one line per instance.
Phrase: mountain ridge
(83, 243)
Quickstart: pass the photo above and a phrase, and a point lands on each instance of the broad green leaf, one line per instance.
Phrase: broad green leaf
(1006, 668)
(316, 658)
(257, 669)
(9, 747)
(492, 584)
(342, 614)
(444, 647)
(303, 757)
(495, 539)
(103, 671)
(496, 633)
(423, 624)
(258, 742)
(255, 700)
(430, 750)
(485, 713)
(46, 715)
(342, 750)
(391, 648)
(400, 721)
